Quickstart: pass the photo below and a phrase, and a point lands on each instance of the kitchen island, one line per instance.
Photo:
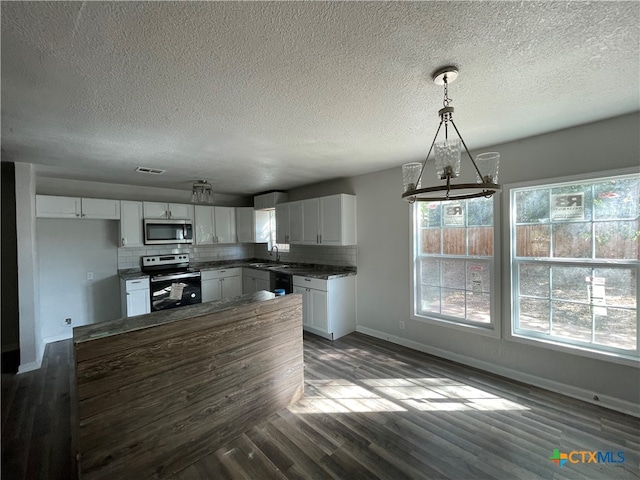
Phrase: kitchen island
(156, 392)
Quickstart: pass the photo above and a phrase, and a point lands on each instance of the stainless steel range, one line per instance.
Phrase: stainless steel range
(173, 283)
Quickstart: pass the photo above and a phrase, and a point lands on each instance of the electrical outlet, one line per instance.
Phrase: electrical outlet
(89, 275)
(67, 321)
(401, 324)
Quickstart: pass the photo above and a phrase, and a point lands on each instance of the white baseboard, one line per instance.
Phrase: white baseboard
(29, 367)
(57, 338)
(606, 401)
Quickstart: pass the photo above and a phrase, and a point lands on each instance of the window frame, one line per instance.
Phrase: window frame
(510, 265)
(491, 329)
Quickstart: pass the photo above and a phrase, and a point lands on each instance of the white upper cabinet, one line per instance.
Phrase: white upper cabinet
(168, 210)
(269, 200)
(252, 226)
(311, 221)
(214, 225)
(282, 223)
(49, 206)
(131, 234)
(338, 220)
(225, 223)
(295, 222)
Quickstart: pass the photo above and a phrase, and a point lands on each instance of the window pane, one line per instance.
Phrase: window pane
(454, 241)
(617, 239)
(453, 302)
(572, 240)
(481, 241)
(616, 199)
(430, 299)
(532, 241)
(453, 274)
(534, 315)
(617, 329)
(571, 321)
(429, 214)
(430, 271)
(571, 202)
(479, 307)
(620, 286)
(532, 206)
(430, 241)
(570, 283)
(534, 280)
(480, 212)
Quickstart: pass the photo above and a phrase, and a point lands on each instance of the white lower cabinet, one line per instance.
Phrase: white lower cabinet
(328, 306)
(135, 297)
(255, 280)
(219, 284)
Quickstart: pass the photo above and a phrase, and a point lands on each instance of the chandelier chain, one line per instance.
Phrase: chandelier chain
(447, 101)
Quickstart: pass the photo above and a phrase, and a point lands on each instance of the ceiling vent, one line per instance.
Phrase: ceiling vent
(150, 171)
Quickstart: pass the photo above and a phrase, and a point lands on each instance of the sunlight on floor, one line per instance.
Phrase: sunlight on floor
(397, 395)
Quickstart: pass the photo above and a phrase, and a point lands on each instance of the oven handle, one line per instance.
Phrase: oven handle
(177, 276)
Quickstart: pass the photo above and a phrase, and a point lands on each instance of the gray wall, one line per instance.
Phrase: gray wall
(383, 281)
(67, 250)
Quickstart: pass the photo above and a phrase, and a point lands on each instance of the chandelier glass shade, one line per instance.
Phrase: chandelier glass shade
(202, 192)
(448, 154)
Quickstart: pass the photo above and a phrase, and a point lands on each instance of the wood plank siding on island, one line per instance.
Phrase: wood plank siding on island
(159, 391)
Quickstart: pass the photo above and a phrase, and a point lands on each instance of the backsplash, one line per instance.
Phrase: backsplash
(321, 255)
(130, 257)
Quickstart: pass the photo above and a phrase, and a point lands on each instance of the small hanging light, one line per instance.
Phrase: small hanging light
(447, 160)
(202, 192)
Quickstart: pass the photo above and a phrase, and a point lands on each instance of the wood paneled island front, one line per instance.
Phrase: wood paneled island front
(156, 392)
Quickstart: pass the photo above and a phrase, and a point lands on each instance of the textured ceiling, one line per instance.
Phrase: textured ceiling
(256, 96)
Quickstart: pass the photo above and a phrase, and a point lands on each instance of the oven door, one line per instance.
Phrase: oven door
(174, 291)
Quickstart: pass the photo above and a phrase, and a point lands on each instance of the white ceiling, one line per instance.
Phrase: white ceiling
(256, 96)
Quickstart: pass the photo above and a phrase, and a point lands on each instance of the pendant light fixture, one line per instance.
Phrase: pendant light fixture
(447, 160)
(202, 192)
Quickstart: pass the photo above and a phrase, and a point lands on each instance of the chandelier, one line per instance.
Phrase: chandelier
(202, 192)
(447, 160)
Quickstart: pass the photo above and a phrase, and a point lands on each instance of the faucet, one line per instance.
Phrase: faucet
(277, 253)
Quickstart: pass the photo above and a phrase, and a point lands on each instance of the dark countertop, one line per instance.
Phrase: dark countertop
(123, 325)
(323, 272)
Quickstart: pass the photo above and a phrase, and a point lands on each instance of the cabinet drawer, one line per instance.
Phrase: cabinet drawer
(221, 273)
(308, 282)
(138, 284)
(253, 273)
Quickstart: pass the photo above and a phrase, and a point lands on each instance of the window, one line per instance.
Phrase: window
(454, 262)
(574, 261)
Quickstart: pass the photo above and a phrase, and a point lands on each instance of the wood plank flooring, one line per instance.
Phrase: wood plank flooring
(371, 410)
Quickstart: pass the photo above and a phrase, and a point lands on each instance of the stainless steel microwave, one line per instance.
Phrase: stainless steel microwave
(161, 231)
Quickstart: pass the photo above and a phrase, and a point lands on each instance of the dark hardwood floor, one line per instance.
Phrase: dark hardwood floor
(371, 410)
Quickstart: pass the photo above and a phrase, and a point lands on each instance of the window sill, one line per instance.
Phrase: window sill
(629, 360)
(489, 331)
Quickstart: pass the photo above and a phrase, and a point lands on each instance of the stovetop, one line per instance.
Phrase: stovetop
(163, 265)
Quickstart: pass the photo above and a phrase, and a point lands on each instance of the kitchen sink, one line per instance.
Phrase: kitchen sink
(259, 265)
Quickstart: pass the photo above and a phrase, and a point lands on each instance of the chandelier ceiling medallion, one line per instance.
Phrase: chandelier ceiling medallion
(447, 159)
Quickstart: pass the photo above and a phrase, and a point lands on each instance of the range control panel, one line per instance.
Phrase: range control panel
(159, 260)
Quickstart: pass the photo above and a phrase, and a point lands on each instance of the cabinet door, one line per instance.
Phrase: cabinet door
(48, 206)
(306, 299)
(131, 224)
(155, 210)
(310, 221)
(180, 211)
(282, 223)
(138, 302)
(231, 286)
(319, 311)
(245, 224)
(211, 290)
(331, 220)
(295, 222)
(262, 284)
(101, 208)
(248, 284)
(203, 225)
(225, 224)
